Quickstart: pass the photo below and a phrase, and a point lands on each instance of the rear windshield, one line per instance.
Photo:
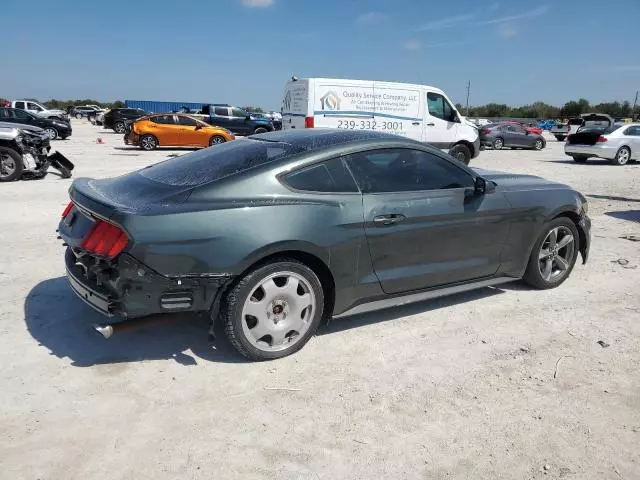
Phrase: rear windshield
(217, 162)
(602, 129)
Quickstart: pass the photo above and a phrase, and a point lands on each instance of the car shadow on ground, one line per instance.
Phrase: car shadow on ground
(617, 199)
(61, 322)
(631, 215)
(593, 162)
(393, 313)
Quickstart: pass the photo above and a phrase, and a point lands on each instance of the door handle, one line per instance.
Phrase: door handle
(382, 220)
(415, 123)
(431, 124)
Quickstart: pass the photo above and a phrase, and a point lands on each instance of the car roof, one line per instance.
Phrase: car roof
(311, 139)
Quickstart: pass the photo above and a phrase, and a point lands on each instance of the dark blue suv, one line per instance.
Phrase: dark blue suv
(239, 121)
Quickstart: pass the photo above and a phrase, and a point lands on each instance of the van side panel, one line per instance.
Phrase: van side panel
(295, 105)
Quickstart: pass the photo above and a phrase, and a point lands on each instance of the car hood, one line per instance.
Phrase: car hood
(21, 126)
(515, 181)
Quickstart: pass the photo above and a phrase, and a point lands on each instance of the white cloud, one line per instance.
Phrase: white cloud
(507, 30)
(533, 13)
(412, 45)
(257, 3)
(370, 18)
(444, 22)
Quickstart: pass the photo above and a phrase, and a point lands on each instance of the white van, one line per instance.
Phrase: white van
(418, 112)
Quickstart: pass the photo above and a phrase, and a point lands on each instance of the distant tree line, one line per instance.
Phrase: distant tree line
(541, 110)
(62, 104)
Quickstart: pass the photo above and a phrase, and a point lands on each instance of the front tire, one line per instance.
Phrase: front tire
(148, 143)
(260, 130)
(51, 132)
(273, 310)
(11, 165)
(216, 140)
(554, 254)
(539, 144)
(119, 127)
(498, 144)
(461, 153)
(622, 156)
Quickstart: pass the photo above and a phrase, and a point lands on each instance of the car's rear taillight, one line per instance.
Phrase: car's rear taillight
(67, 209)
(602, 139)
(485, 131)
(105, 239)
(309, 122)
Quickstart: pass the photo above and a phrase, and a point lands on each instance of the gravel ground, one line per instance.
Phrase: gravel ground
(498, 383)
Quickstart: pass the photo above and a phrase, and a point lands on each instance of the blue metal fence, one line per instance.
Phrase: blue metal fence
(161, 107)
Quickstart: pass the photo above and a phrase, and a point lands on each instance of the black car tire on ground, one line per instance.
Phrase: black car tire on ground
(539, 144)
(461, 153)
(148, 142)
(119, 127)
(560, 138)
(622, 156)
(241, 292)
(498, 143)
(580, 158)
(18, 167)
(533, 275)
(216, 139)
(78, 116)
(51, 132)
(260, 130)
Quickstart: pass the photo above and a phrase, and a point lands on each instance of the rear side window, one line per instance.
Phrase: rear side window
(186, 121)
(633, 131)
(211, 164)
(221, 111)
(163, 119)
(329, 176)
(238, 112)
(20, 105)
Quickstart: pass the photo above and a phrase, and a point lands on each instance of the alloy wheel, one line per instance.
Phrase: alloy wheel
(278, 311)
(7, 165)
(148, 143)
(498, 144)
(119, 127)
(51, 133)
(622, 156)
(538, 144)
(556, 254)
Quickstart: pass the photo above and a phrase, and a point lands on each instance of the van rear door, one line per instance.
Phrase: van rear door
(295, 104)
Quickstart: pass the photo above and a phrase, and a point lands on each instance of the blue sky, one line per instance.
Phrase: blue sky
(243, 51)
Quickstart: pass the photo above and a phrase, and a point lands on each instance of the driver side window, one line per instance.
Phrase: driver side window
(439, 107)
(405, 170)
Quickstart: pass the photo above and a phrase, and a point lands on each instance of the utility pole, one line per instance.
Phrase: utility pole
(633, 111)
(469, 90)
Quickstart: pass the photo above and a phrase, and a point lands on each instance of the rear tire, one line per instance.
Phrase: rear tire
(622, 156)
(260, 130)
(461, 153)
(562, 257)
(498, 144)
(119, 127)
(216, 140)
(243, 328)
(148, 142)
(11, 165)
(78, 116)
(580, 158)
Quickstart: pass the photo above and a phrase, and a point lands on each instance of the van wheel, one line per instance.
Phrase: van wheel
(461, 153)
(498, 143)
(11, 165)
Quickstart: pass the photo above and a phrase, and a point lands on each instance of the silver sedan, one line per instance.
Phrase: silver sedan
(618, 144)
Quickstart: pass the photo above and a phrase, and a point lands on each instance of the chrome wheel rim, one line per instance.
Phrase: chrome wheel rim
(119, 128)
(148, 143)
(556, 254)
(51, 133)
(498, 144)
(278, 312)
(623, 156)
(538, 144)
(7, 165)
(460, 157)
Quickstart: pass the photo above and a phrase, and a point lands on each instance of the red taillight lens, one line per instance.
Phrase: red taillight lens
(67, 210)
(105, 239)
(602, 139)
(484, 131)
(308, 122)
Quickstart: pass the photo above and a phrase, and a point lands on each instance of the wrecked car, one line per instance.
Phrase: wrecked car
(24, 154)
(275, 233)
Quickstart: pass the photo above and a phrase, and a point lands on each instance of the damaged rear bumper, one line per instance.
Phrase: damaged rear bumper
(124, 288)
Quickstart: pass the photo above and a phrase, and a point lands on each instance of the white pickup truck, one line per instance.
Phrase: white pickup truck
(38, 109)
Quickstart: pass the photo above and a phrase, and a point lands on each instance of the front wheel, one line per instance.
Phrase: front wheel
(554, 254)
(539, 144)
(78, 116)
(260, 130)
(461, 153)
(11, 165)
(119, 127)
(622, 156)
(148, 143)
(51, 132)
(216, 140)
(273, 310)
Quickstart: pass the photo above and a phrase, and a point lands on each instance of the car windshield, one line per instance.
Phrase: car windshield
(211, 164)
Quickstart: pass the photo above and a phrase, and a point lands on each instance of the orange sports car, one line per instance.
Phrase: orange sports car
(174, 130)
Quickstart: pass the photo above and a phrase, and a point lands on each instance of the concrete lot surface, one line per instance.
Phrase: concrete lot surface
(498, 383)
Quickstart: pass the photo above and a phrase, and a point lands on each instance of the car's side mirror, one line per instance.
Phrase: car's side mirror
(455, 118)
(483, 187)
